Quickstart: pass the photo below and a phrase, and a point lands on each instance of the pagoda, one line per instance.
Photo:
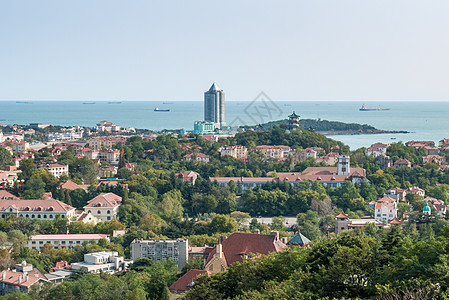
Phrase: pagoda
(293, 121)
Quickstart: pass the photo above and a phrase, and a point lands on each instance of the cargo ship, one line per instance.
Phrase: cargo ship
(161, 110)
(364, 108)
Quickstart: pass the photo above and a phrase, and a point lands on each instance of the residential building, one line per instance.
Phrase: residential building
(105, 206)
(239, 246)
(36, 209)
(176, 250)
(186, 281)
(98, 143)
(437, 159)
(197, 157)
(303, 155)
(188, 176)
(105, 126)
(397, 194)
(377, 149)
(39, 125)
(420, 144)
(18, 146)
(58, 170)
(386, 209)
(402, 163)
(443, 143)
(214, 106)
(343, 222)
(384, 161)
(329, 159)
(415, 190)
(5, 195)
(21, 279)
(105, 261)
(238, 152)
(60, 241)
(107, 155)
(70, 185)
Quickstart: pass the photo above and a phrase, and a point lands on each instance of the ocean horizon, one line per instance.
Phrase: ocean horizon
(424, 120)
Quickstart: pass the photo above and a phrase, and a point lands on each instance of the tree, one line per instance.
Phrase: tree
(5, 158)
(240, 217)
(34, 188)
(222, 224)
(27, 167)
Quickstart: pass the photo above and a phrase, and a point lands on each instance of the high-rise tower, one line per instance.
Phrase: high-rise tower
(214, 106)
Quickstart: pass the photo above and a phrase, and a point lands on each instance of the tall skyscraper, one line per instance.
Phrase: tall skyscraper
(214, 106)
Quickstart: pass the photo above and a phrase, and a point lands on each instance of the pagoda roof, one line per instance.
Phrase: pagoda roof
(293, 115)
(342, 215)
(395, 221)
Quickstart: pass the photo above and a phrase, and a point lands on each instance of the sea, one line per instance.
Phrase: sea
(423, 120)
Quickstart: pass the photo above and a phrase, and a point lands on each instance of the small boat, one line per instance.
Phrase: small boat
(88, 102)
(161, 110)
(114, 102)
(24, 102)
(364, 108)
(167, 102)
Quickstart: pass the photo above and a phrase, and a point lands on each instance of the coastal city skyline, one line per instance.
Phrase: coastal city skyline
(293, 51)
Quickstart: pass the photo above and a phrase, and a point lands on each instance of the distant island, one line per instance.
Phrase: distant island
(328, 127)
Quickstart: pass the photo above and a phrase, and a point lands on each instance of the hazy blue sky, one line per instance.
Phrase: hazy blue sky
(174, 50)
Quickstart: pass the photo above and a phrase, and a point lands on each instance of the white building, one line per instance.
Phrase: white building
(60, 241)
(386, 209)
(105, 126)
(238, 152)
(36, 209)
(98, 143)
(377, 149)
(21, 279)
(97, 262)
(176, 250)
(58, 170)
(104, 207)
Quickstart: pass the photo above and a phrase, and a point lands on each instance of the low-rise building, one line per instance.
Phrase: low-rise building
(21, 279)
(384, 161)
(402, 162)
(197, 157)
(105, 261)
(343, 222)
(329, 159)
(386, 209)
(415, 190)
(36, 209)
(377, 149)
(60, 241)
(105, 126)
(397, 194)
(104, 207)
(437, 159)
(238, 152)
(176, 250)
(188, 176)
(58, 170)
(239, 246)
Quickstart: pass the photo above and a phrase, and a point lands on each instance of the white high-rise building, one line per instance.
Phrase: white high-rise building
(214, 106)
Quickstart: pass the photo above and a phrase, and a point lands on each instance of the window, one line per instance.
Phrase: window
(109, 212)
(99, 212)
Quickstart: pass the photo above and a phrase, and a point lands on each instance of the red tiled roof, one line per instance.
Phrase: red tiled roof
(105, 200)
(85, 236)
(33, 205)
(12, 277)
(395, 220)
(240, 243)
(7, 195)
(342, 215)
(184, 283)
(70, 185)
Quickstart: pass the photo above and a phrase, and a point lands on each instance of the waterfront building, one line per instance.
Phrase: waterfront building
(60, 241)
(214, 106)
(176, 250)
(203, 127)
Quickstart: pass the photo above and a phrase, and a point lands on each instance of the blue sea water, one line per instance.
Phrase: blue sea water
(425, 120)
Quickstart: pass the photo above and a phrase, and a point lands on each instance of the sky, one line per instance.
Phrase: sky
(352, 50)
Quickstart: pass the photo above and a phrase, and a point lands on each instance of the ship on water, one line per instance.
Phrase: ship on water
(161, 110)
(114, 102)
(364, 108)
(88, 102)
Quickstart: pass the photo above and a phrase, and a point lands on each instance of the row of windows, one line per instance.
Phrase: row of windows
(99, 212)
(32, 216)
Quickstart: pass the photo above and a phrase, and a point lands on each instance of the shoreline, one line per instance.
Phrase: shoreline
(357, 132)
